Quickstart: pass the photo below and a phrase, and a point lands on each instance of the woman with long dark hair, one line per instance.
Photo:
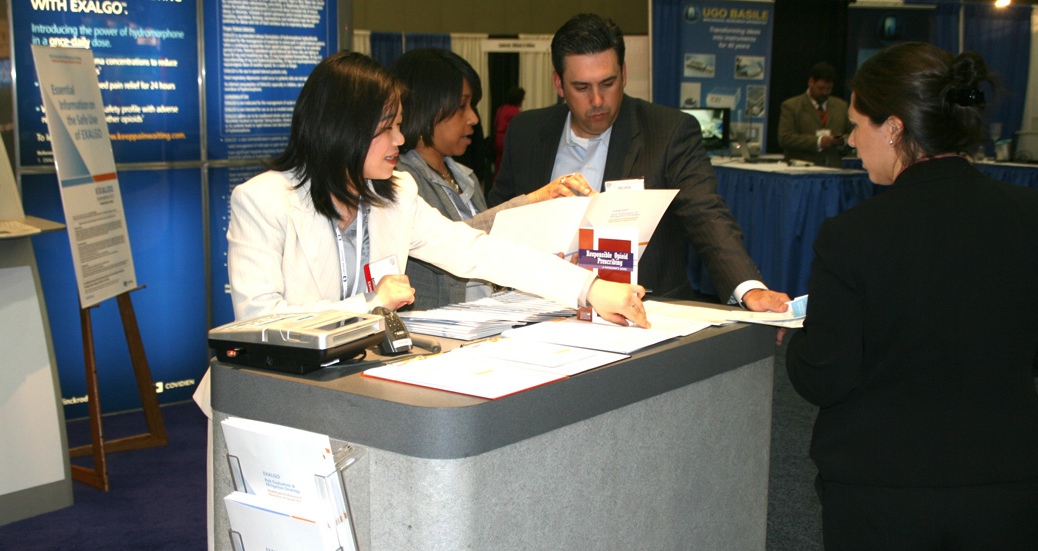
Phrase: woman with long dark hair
(301, 234)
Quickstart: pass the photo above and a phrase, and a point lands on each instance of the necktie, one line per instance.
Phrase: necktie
(822, 113)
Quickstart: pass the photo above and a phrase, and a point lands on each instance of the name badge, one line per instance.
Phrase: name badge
(375, 271)
(626, 185)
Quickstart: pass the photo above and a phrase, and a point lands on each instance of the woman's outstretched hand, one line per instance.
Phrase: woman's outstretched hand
(618, 302)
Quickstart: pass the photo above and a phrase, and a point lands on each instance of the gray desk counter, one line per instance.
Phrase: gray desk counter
(665, 450)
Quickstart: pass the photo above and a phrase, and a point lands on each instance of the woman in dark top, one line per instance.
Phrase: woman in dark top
(921, 336)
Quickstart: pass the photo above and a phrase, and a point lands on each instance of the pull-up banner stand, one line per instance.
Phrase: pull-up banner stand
(97, 233)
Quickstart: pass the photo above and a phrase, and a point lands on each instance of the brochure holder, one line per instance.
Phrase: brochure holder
(97, 476)
(290, 487)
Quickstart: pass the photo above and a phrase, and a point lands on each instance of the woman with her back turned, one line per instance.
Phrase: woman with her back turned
(921, 336)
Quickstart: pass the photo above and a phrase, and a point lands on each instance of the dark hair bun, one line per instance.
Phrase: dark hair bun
(967, 70)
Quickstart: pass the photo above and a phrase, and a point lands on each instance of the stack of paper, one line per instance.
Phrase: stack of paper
(484, 317)
(286, 478)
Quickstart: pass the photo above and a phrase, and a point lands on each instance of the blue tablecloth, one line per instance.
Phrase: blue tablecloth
(780, 215)
(1014, 173)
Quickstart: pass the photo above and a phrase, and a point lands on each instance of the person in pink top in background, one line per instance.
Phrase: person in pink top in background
(513, 105)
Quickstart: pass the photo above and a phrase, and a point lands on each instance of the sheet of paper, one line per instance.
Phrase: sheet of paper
(792, 318)
(256, 524)
(704, 314)
(641, 208)
(766, 318)
(596, 336)
(681, 326)
(554, 358)
(464, 374)
(552, 226)
(549, 226)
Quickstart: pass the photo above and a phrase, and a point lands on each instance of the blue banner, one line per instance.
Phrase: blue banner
(726, 61)
(221, 182)
(258, 55)
(146, 57)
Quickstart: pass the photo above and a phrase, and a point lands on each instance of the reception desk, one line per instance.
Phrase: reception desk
(668, 449)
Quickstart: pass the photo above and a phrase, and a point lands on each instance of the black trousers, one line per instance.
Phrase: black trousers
(1001, 517)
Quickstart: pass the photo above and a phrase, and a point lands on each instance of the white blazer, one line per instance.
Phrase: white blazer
(282, 255)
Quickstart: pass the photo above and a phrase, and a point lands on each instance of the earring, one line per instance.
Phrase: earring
(891, 142)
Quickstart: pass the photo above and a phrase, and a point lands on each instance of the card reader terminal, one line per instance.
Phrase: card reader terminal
(296, 343)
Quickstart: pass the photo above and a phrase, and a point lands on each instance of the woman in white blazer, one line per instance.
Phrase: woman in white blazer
(301, 234)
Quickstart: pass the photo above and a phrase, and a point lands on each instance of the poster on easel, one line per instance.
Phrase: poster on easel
(89, 185)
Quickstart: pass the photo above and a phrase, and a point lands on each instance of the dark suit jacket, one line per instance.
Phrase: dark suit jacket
(665, 147)
(799, 123)
(922, 333)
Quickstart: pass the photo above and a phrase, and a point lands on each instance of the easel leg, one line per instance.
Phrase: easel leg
(142, 371)
(156, 435)
(97, 476)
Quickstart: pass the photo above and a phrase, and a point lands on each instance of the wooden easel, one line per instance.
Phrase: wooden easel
(156, 435)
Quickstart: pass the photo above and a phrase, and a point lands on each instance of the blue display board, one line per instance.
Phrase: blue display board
(221, 183)
(164, 220)
(146, 55)
(726, 61)
(258, 55)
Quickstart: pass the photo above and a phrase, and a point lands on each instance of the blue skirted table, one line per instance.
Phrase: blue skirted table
(1021, 174)
(780, 210)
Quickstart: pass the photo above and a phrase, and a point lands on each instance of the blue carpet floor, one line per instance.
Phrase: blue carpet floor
(156, 501)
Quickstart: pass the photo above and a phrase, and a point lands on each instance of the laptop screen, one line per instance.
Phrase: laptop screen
(715, 123)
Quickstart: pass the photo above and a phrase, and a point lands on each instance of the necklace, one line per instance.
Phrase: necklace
(449, 178)
(425, 152)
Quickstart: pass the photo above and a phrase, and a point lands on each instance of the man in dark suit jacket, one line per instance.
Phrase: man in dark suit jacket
(660, 144)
